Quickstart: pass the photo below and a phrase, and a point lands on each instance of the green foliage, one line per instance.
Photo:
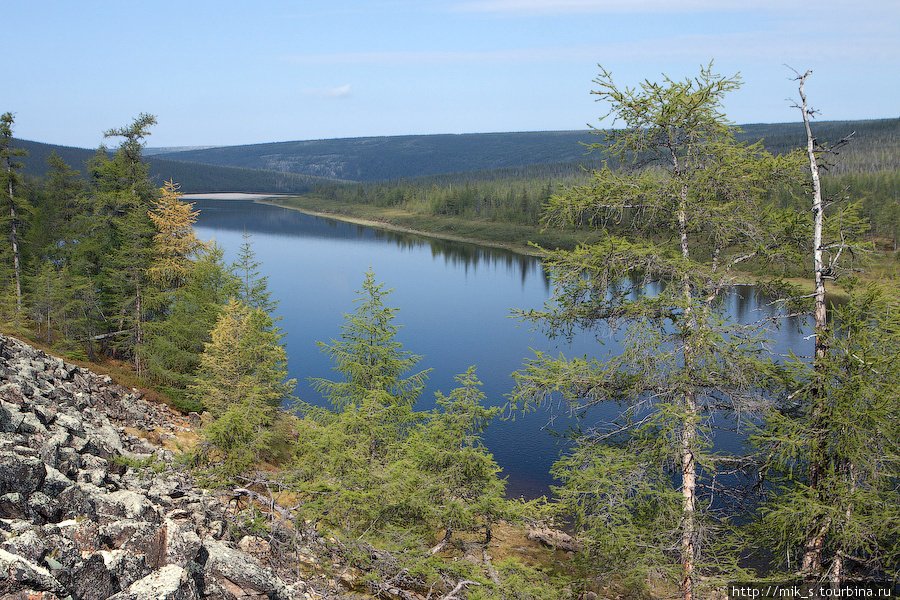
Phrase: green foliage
(175, 341)
(242, 381)
(376, 468)
(243, 364)
(693, 206)
(253, 288)
(856, 497)
(461, 480)
(369, 357)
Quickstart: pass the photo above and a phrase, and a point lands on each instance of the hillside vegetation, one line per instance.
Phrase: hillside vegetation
(195, 177)
(875, 148)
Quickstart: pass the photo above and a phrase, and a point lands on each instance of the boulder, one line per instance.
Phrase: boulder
(230, 573)
(169, 583)
(19, 574)
(23, 474)
(92, 579)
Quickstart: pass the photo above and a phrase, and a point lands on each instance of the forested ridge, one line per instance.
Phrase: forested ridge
(385, 158)
(105, 265)
(195, 177)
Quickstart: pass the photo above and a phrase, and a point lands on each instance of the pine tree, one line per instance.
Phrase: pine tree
(694, 202)
(368, 355)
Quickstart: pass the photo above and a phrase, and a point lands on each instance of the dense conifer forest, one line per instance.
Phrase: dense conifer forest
(102, 263)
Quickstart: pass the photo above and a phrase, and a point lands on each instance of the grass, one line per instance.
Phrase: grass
(510, 236)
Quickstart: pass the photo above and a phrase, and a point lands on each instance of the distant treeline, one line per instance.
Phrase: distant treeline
(196, 177)
(875, 148)
(517, 195)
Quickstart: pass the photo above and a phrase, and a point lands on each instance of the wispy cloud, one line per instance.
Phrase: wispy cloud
(413, 57)
(545, 7)
(747, 46)
(340, 91)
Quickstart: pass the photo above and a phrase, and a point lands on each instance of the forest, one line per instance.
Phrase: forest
(105, 266)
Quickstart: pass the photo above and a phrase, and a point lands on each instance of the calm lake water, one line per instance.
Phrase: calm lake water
(454, 305)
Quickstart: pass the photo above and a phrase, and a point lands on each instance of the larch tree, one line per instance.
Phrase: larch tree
(830, 446)
(8, 154)
(174, 243)
(242, 380)
(693, 202)
(253, 288)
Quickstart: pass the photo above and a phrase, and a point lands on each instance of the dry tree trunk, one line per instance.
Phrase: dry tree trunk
(811, 565)
(14, 238)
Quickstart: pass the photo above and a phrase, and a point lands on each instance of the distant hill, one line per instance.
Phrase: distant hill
(193, 177)
(153, 150)
(876, 147)
(296, 167)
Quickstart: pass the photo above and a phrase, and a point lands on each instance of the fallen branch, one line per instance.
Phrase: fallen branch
(459, 586)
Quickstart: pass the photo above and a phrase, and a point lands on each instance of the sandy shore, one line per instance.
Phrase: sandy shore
(228, 196)
(518, 249)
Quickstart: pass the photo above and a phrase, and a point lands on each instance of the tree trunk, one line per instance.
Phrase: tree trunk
(811, 565)
(689, 426)
(138, 330)
(14, 238)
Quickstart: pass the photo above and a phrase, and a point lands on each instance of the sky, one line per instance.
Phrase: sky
(227, 72)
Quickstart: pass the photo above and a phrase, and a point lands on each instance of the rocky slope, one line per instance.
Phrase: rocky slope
(90, 509)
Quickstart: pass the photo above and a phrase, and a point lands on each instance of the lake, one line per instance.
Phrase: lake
(454, 302)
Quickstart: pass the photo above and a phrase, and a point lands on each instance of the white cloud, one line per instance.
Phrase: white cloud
(340, 91)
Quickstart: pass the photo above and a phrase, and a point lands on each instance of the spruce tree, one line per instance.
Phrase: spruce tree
(368, 355)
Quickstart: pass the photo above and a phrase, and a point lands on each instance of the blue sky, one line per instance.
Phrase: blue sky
(222, 72)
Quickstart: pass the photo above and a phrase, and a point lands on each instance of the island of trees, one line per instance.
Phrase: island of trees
(106, 267)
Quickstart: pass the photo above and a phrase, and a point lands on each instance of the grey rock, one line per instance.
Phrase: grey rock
(125, 503)
(40, 504)
(21, 574)
(13, 506)
(54, 482)
(182, 543)
(169, 583)
(231, 573)
(28, 545)
(92, 580)
(46, 414)
(23, 474)
(125, 567)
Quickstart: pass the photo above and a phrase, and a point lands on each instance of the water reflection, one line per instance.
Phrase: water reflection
(454, 304)
(246, 215)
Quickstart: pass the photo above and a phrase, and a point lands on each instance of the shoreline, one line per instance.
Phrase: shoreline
(742, 277)
(388, 226)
